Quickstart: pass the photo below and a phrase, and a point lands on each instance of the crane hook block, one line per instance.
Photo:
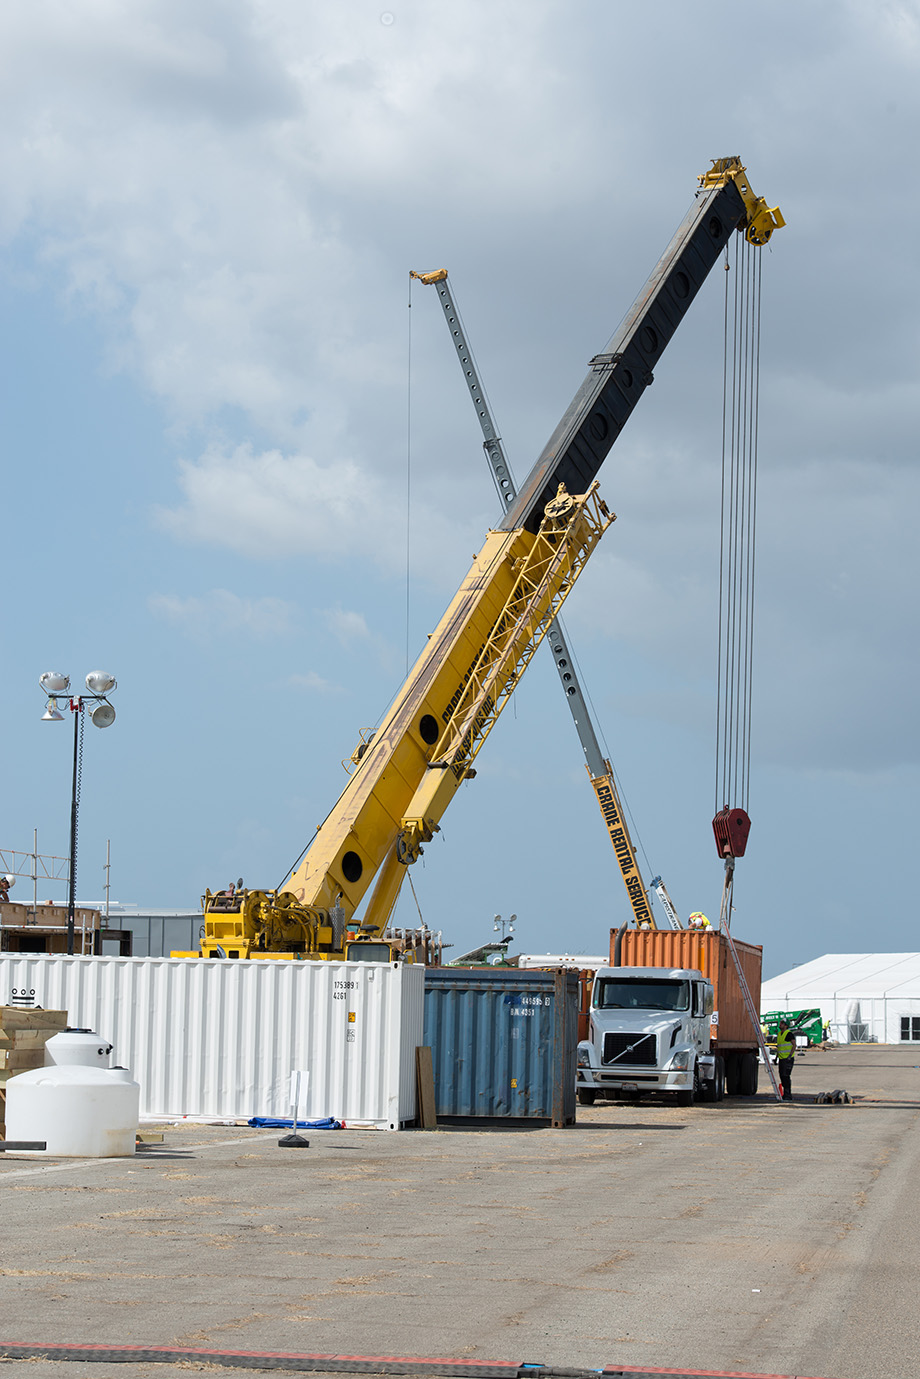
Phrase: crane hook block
(731, 827)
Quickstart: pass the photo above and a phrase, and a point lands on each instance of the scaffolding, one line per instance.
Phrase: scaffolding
(46, 918)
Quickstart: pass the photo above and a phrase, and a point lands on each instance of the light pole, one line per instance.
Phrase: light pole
(499, 924)
(99, 684)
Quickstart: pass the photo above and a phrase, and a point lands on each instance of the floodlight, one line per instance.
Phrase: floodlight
(103, 715)
(53, 682)
(51, 714)
(100, 682)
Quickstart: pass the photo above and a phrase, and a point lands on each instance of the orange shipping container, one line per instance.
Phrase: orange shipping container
(709, 953)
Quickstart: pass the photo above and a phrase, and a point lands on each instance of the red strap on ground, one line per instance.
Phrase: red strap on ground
(354, 1364)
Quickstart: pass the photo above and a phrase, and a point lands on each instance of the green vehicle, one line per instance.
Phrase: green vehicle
(807, 1022)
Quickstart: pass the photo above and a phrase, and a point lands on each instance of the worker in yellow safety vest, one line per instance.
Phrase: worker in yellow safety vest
(785, 1057)
(698, 921)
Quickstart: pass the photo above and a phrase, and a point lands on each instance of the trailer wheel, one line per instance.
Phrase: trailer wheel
(750, 1071)
(732, 1073)
(587, 1096)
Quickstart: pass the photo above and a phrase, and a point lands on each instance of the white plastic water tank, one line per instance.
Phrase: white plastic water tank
(77, 1048)
(80, 1112)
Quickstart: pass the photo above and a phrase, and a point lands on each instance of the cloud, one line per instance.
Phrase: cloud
(238, 189)
(313, 682)
(347, 626)
(229, 194)
(362, 644)
(199, 176)
(271, 504)
(221, 614)
(835, 622)
(268, 504)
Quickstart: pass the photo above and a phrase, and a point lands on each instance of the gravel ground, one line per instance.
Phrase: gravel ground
(751, 1236)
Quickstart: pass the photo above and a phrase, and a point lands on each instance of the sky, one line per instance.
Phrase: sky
(242, 472)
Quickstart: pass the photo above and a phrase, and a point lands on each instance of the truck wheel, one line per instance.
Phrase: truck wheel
(689, 1097)
(715, 1091)
(586, 1096)
(732, 1074)
(750, 1071)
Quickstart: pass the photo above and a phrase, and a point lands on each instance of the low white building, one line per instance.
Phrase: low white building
(863, 996)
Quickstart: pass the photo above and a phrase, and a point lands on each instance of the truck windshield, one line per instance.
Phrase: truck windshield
(642, 993)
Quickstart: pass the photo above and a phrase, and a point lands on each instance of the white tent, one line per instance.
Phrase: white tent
(864, 996)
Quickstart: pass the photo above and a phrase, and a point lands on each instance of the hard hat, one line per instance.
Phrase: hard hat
(10, 880)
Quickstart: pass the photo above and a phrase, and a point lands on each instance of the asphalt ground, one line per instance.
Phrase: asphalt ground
(752, 1236)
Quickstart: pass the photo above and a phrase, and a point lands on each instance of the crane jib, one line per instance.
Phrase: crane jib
(622, 846)
(619, 376)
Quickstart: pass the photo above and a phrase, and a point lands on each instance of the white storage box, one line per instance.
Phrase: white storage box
(215, 1039)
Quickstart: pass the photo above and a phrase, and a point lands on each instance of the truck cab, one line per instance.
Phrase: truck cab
(649, 1031)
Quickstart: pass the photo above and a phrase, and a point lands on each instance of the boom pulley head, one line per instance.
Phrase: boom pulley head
(762, 219)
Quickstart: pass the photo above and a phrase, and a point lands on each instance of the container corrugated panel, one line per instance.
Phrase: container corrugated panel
(710, 954)
(215, 1039)
(503, 1044)
(585, 965)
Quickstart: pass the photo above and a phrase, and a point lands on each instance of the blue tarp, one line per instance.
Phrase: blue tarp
(273, 1123)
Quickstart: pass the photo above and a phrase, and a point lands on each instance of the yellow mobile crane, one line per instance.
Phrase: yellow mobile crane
(600, 771)
(406, 775)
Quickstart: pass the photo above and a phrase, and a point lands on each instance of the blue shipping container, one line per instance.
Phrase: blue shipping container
(503, 1042)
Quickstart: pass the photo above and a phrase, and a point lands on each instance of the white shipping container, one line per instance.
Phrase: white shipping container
(213, 1039)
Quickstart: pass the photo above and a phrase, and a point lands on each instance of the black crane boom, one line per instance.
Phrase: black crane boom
(619, 376)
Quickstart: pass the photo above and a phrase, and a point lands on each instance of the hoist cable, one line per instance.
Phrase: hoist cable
(737, 551)
(753, 543)
(727, 267)
(408, 460)
(415, 897)
(741, 509)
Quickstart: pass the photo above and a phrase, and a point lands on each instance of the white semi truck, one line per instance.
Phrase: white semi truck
(649, 1032)
(672, 1021)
